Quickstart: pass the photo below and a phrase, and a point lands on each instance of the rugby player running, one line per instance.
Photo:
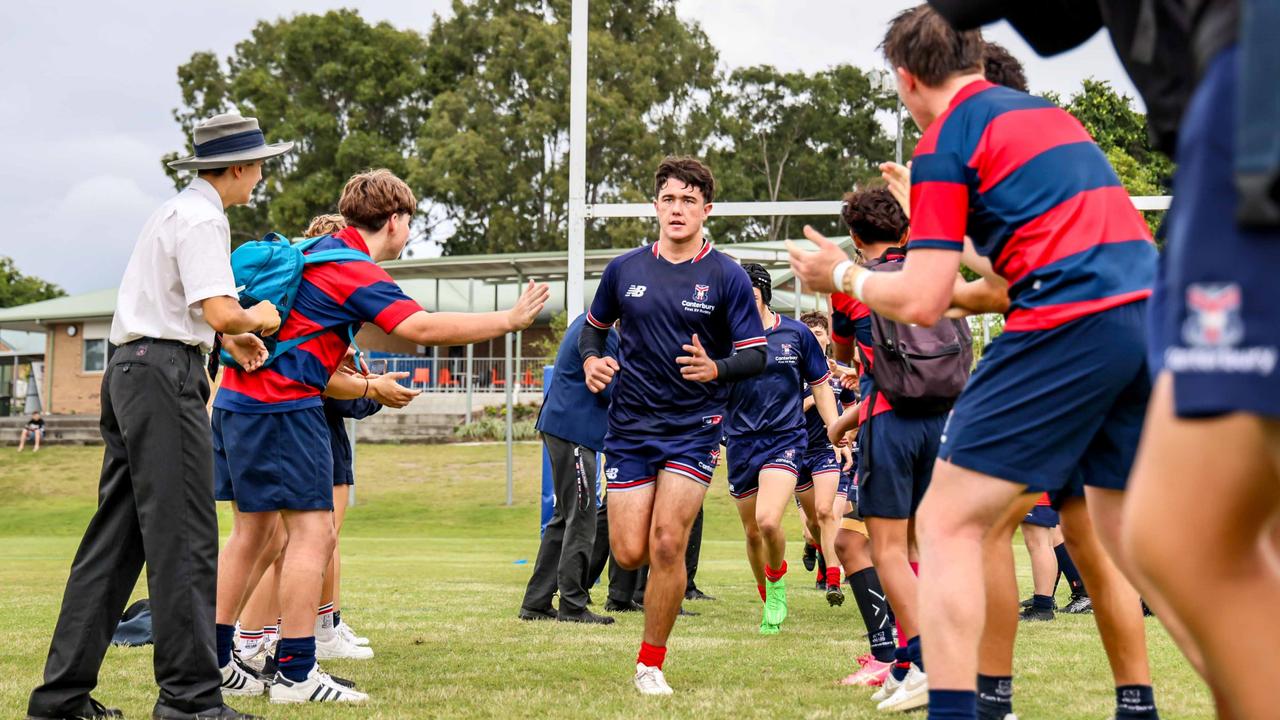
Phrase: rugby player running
(685, 309)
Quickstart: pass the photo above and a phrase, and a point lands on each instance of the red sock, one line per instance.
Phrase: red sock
(761, 589)
(915, 568)
(651, 655)
(902, 637)
(833, 576)
(775, 575)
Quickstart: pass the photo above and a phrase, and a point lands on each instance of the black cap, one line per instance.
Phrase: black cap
(761, 279)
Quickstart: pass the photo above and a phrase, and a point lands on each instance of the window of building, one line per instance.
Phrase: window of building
(95, 355)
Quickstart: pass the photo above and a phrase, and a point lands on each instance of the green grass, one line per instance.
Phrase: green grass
(431, 575)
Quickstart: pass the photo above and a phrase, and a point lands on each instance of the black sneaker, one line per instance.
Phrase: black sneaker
(820, 584)
(586, 617)
(696, 594)
(810, 558)
(1146, 611)
(835, 596)
(96, 711)
(615, 606)
(687, 613)
(1035, 614)
(1079, 605)
(527, 614)
(222, 712)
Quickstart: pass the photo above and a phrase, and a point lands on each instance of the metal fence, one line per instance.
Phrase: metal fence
(449, 375)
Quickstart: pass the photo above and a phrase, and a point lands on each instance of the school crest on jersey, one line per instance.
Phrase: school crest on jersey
(709, 420)
(1213, 315)
(700, 292)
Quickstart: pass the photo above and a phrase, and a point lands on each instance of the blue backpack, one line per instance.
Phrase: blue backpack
(271, 269)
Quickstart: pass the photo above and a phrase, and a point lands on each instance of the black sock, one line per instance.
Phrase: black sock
(874, 607)
(822, 567)
(915, 653)
(1136, 702)
(995, 696)
(1041, 602)
(225, 636)
(1068, 569)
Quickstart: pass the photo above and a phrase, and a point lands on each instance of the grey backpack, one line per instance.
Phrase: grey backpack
(920, 370)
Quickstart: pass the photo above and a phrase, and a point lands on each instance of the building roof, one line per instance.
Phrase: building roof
(18, 343)
(453, 283)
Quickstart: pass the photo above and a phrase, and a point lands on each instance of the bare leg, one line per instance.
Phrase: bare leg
(889, 554)
(675, 505)
(1044, 564)
(1117, 609)
(776, 490)
(331, 576)
(242, 562)
(22, 440)
(311, 541)
(630, 514)
(959, 509)
(262, 608)
(755, 545)
(824, 496)
(1000, 627)
(1222, 473)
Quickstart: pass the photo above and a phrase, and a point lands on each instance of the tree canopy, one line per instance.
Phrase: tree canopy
(19, 289)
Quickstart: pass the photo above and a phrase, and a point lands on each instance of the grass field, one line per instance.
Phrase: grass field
(434, 569)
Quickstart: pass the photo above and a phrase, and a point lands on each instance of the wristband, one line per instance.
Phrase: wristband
(366, 389)
(859, 283)
(838, 273)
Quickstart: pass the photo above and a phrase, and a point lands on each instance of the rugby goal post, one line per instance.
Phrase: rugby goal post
(580, 211)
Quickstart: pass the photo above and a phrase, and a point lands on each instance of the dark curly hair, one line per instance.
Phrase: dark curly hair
(1002, 68)
(815, 319)
(874, 216)
(687, 170)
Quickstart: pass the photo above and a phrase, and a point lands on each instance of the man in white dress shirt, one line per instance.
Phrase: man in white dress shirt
(155, 495)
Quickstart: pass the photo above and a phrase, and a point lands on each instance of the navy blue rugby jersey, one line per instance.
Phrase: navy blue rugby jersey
(661, 305)
(773, 401)
(813, 421)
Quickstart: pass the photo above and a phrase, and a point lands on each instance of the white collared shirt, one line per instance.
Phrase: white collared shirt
(183, 256)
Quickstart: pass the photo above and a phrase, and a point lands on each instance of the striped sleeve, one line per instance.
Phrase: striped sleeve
(939, 201)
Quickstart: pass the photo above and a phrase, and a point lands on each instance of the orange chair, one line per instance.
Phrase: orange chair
(422, 375)
(528, 377)
(446, 378)
(494, 379)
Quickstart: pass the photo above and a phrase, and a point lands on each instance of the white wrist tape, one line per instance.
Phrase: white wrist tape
(859, 283)
(838, 273)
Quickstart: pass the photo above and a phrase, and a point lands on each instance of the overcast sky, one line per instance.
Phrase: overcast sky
(87, 95)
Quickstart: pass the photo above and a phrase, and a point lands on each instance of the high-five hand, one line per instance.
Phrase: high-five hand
(697, 366)
(899, 179)
(814, 268)
(531, 302)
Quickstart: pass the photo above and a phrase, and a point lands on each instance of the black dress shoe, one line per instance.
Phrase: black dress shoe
(615, 606)
(221, 712)
(585, 616)
(95, 711)
(696, 594)
(527, 614)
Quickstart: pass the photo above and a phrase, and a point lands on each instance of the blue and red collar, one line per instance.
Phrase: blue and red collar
(704, 251)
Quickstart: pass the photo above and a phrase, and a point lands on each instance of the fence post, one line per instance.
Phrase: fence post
(510, 487)
(471, 307)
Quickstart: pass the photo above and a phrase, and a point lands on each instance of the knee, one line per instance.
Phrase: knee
(825, 514)
(768, 526)
(628, 557)
(665, 548)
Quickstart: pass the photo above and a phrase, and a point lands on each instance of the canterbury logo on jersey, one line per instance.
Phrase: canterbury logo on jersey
(636, 291)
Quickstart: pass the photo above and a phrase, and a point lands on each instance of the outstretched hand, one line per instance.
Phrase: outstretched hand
(246, 349)
(527, 307)
(814, 268)
(697, 366)
(899, 179)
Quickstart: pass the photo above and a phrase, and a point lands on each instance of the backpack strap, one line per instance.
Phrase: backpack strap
(287, 345)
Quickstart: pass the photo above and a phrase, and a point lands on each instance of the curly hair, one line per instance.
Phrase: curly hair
(874, 216)
(1002, 68)
(324, 225)
(687, 170)
(816, 319)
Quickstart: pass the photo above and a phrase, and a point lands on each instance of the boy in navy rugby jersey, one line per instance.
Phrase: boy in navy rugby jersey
(768, 442)
(685, 309)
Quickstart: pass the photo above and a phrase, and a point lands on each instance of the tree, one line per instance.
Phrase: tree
(494, 148)
(793, 136)
(18, 289)
(350, 94)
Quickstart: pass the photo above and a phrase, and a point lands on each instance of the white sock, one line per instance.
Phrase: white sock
(324, 623)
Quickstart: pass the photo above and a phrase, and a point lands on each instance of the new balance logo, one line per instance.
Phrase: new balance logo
(636, 291)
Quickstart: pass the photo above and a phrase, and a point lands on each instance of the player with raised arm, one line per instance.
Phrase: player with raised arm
(685, 309)
(767, 443)
(1049, 218)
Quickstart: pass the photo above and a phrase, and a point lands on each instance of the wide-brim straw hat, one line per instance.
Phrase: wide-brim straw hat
(226, 140)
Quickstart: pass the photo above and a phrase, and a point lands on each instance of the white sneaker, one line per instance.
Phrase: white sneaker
(254, 655)
(886, 689)
(351, 636)
(337, 647)
(239, 679)
(650, 681)
(912, 694)
(318, 687)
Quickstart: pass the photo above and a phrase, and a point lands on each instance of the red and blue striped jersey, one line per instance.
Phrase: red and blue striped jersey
(773, 401)
(336, 296)
(1026, 182)
(661, 305)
